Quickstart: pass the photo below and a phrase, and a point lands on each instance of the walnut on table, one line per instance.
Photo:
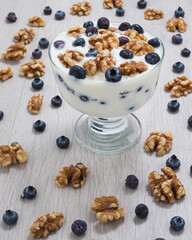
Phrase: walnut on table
(104, 60)
(35, 68)
(46, 224)
(36, 22)
(14, 52)
(24, 35)
(107, 208)
(118, 3)
(5, 74)
(138, 47)
(108, 4)
(153, 14)
(69, 56)
(81, 8)
(75, 31)
(35, 103)
(176, 24)
(166, 187)
(12, 155)
(159, 142)
(74, 174)
(133, 34)
(133, 67)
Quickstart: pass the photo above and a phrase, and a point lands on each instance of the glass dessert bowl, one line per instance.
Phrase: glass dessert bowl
(107, 74)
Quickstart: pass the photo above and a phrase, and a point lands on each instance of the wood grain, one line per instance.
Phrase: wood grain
(107, 173)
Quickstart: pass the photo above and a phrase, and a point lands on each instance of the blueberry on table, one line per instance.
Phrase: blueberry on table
(43, 43)
(152, 58)
(59, 44)
(173, 162)
(78, 72)
(47, 10)
(141, 211)
(185, 52)
(173, 106)
(131, 181)
(103, 22)
(120, 12)
(137, 27)
(88, 24)
(62, 142)
(123, 40)
(79, 42)
(39, 126)
(179, 12)
(154, 42)
(37, 83)
(79, 227)
(10, 217)
(37, 54)
(90, 31)
(177, 223)
(190, 121)
(177, 39)
(59, 15)
(92, 53)
(29, 192)
(142, 4)
(11, 17)
(113, 74)
(125, 53)
(1, 115)
(56, 101)
(178, 67)
(124, 26)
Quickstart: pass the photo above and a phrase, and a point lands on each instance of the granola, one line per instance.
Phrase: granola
(81, 8)
(151, 14)
(36, 22)
(35, 103)
(176, 24)
(69, 56)
(133, 67)
(138, 47)
(75, 31)
(14, 52)
(5, 74)
(32, 69)
(24, 35)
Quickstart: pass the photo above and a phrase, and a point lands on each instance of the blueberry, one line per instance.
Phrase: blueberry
(173, 162)
(59, 44)
(113, 74)
(84, 98)
(92, 53)
(47, 10)
(10, 217)
(190, 121)
(11, 17)
(138, 28)
(177, 223)
(177, 39)
(179, 12)
(60, 78)
(37, 83)
(37, 54)
(90, 31)
(123, 40)
(120, 12)
(173, 106)
(79, 227)
(154, 42)
(59, 15)
(191, 169)
(1, 115)
(88, 24)
(79, 42)
(62, 142)
(77, 72)
(39, 126)
(141, 211)
(43, 43)
(159, 239)
(124, 26)
(141, 4)
(29, 192)
(125, 53)
(103, 22)
(56, 101)
(178, 67)
(152, 58)
(185, 52)
(131, 181)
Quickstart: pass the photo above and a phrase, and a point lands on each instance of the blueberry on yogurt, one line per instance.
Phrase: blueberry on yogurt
(103, 22)
(137, 27)
(152, 58)
(78, 72)
(92, 53)
(125, 53)
(154, 42)
(90, 31)
(79, 42)
(59, 44)
(113, 74)
(88, 24)
(124, 26)
(123, 40)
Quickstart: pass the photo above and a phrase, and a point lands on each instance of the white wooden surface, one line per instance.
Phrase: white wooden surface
(107, 173)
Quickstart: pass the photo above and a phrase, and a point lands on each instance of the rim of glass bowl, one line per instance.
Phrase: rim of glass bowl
(100, 82)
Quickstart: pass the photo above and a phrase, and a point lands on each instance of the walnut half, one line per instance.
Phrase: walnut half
(133, 67)
(24, 35)
(14, 52)
(36, 22)
(32, 69)
(69, 56)
(151, 14)
(138, 47)
(176, 24)
(5, 74)
(35, 103)
(81, 8)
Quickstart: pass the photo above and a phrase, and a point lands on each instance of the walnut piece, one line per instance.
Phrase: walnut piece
(107, 208)
(75, 31)
(133, 34)
(133, 67)
(159, 142)
(32, 69)
(46, 224)
(69, 56)
(5, 74)
(36, 22)
(81, 8)
(75, 174)
(90, 67)
(179, 86)
(12, 155)
(118, 3)
(104, 60)
(35, 103)
(14, 52)
(166, 187)
(24, 35)
(151, 14)
(138, 47)
(176, 24)
(108, 4)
